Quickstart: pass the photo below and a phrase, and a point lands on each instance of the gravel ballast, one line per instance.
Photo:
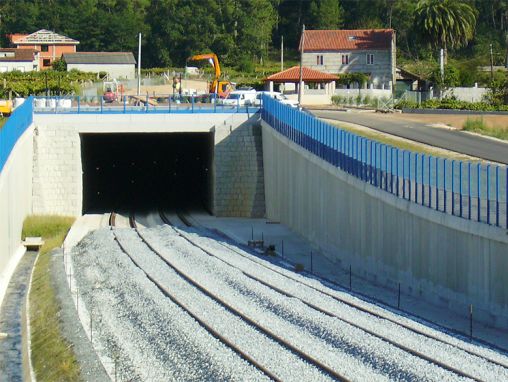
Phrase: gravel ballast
(139, 333)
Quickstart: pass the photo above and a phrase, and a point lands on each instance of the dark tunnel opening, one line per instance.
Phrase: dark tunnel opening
(146, 172)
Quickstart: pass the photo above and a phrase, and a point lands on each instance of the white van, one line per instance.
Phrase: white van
(278, 96)
(240, 97)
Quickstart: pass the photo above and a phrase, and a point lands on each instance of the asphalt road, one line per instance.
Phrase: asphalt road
(453, 140)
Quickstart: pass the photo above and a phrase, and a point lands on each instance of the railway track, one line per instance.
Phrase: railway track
(312, 361)
(327, 312)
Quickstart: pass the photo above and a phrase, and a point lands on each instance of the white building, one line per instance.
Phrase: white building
(116, 64)
(22, 60)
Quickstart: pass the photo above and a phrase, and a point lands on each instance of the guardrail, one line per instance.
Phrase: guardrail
(14, 128)
(157, 103)
(470, 190)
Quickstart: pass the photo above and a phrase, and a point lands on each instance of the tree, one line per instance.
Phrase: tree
(59, 65)
(446, 23)
(326, 14)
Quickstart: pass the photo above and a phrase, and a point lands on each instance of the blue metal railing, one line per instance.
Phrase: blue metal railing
(469, 190)
(163, 104)
(14, 128)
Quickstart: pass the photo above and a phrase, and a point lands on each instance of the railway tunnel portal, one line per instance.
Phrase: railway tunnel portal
(95, 164)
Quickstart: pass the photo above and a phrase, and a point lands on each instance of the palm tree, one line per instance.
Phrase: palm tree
(446, 23)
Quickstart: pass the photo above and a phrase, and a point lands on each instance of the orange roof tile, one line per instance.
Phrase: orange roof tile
(309, 75)
(357, 39)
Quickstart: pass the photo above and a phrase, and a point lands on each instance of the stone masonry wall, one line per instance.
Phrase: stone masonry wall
(57, 174)
(239, 174)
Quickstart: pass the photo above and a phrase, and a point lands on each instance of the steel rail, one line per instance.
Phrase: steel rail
(200, 321)
(313, 361)
(367, 310)
(350, 322)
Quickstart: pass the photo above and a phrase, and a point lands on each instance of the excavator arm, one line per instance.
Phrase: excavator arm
(210, 57)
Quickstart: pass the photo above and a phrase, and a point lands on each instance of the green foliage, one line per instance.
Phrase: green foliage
(353, 78)
(326, 14)
(498, 89)
(52, 356)
(446, 23)
(450, 103)
(451, 77)
(246, 65)
(59, 65)
(173, 30)
(34, 83)
(477, 125)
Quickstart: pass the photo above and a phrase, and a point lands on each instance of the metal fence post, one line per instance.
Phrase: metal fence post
(101, 103)
(444, 185)
(437, 184)
(478, 185)
(124, 104)
(416, 177)
(430, 181)
(403, 174)
(488, 194)
(79, 104)
(409, 173)
(497, 196)
(397, 169)
(469, 188)
(460, 188)
(423, 179)
(453, 188)
(386, 167)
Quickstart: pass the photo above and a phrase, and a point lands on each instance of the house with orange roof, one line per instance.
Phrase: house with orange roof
(369, 51)
(51, 45)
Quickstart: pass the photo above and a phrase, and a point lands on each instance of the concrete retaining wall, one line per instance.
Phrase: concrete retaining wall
(438, 257)
(239, 183)
(15, 205)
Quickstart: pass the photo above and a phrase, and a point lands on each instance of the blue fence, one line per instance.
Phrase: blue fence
(15, 126)
(163, 104)
(469, 190)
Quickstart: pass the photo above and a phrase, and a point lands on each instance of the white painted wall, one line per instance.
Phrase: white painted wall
(114, 70)
(15, 205)
(21, 66)
(438, 257)
(473, 94)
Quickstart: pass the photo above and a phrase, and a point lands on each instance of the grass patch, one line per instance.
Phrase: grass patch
(52, 356)
(399, 143)
(477, 125)
(2, 121)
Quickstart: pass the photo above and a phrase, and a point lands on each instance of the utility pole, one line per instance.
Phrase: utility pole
(139, 65)
(281, 53)
(300, 82)
(491, 64)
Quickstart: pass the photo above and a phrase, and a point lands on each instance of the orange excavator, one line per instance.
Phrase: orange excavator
(221, 88)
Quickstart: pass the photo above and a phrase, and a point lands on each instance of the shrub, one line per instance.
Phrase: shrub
(299, 267)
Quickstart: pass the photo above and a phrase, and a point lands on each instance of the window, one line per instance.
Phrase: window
(44, 48)
(46, 62)
(319, 59)
(370, 59)
(345, 59)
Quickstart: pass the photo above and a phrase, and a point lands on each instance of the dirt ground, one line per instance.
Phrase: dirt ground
(196, 85)
(456, 121)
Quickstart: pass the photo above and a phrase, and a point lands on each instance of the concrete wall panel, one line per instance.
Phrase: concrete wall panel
(441, 258)
(15, 205)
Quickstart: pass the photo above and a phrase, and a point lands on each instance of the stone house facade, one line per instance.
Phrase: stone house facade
(369, 51)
